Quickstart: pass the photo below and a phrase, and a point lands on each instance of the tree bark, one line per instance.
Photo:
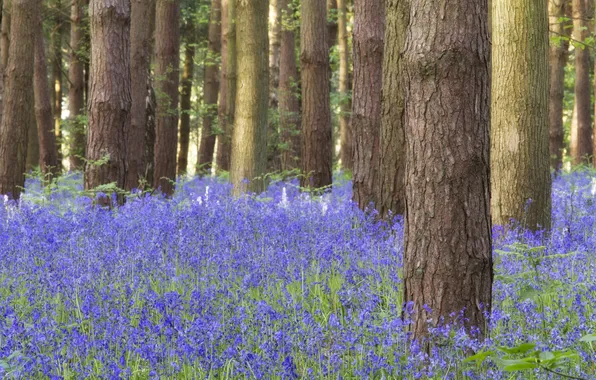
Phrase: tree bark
(4, 47)
(274, 50)
(289, 104)
(369, 27)
(167, 59)
(76, 90)
(18, 101)
(211, 91)
(332, 22)
(581, 130)
(447, 259)
(56, 65)
(249, 140)
(32, 144)
(521, 182)
(48, 160)
(186, 103)
(345, 108)
(390, 193)
(109, 93)
(316, 112)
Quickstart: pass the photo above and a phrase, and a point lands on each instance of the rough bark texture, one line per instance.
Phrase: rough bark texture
(18, 100)
(581, 127)
(56, 65)
(76, 90)
(559, 54)
(4, 47)
(167, 61)
(521, 181)
(369, 28)
(289, 104)
(316, 112)
(211, 91)
(32, 144)
(185, 104)
(48, 160)
(447, 259)
(109, 93)
(249, 140)
(345, 109)
(390, 193)
(227, 101)
(138, 160)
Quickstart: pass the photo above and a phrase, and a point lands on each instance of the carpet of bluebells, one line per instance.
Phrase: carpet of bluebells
(279, 286)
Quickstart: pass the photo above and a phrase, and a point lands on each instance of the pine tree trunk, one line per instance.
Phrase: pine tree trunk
(211, 92)
(369, 28)
(390, 193)
(249, 140)
(185, 103)
(581, 131)
(447, 259)
(167, 60)
(521, 182)
(274, 138)
(289, 104)
(109, 93)
(48, 160)
(345, 109)
(316, 112)
(56, 65)
(4, 47)
(76, 95)
(18, 100)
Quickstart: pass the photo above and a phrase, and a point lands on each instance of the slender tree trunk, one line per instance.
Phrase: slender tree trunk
(447, 259)
(332, 22)
(316, 115)
(249, 141)
(581, 132)
(521, 182)
(109, 93)
(345, 109)
(227, 104)
(273, 139)
(167, 57)
(4, 47)
(19, 96)
(390, 192)
(186, 103)
(369, 28)
(76, 91)
(48, 160)
(56, 64)
(559, 54)
(211, 92)
(289, 104)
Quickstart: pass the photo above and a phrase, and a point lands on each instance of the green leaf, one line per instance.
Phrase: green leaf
(521, 349)
(517, 364)
(546, 356)
(588, 338)
(479, 357)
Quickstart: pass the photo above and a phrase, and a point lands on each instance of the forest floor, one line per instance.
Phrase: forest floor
(280, 286)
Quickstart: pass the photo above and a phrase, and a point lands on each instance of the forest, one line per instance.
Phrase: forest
(297, 189)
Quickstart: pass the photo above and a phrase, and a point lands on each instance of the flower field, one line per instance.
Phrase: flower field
(281, 286)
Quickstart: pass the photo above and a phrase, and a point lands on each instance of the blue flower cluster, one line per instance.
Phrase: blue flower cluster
(280, 286)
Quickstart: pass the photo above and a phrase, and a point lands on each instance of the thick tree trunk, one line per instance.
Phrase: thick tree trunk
(76, 90)
(109, 93)
(390, 193)
(369, 27)
(559, 54)
(186, 103)
(249, 140)
(521, 182)
(18, 100)
(447, 259)
(289, 104)
(227, 97)
(345, 109)
(581, 130)
(56, 65)
(211, 92)
(48, 160)
(167, 60)
(4, 47)
(316, 112)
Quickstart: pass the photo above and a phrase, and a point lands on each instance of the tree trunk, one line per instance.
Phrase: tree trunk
(48, 160)
(581, 131)
(369, 27)
(249, 140)
(273, 139)
(316, 112)
(332, 22)
(289, 104)
(186, 103)
(227, 97)
(56, 64)
(447, 259)
(390, 193)
(76, 95)
(519, 133)
(167, 60)
(4, 46)
(211, 91)
(32, 144)
(559, 54)
(109, 93)
(18, 101)
(345, 108)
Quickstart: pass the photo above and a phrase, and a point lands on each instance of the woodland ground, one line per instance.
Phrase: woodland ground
(277, 286)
